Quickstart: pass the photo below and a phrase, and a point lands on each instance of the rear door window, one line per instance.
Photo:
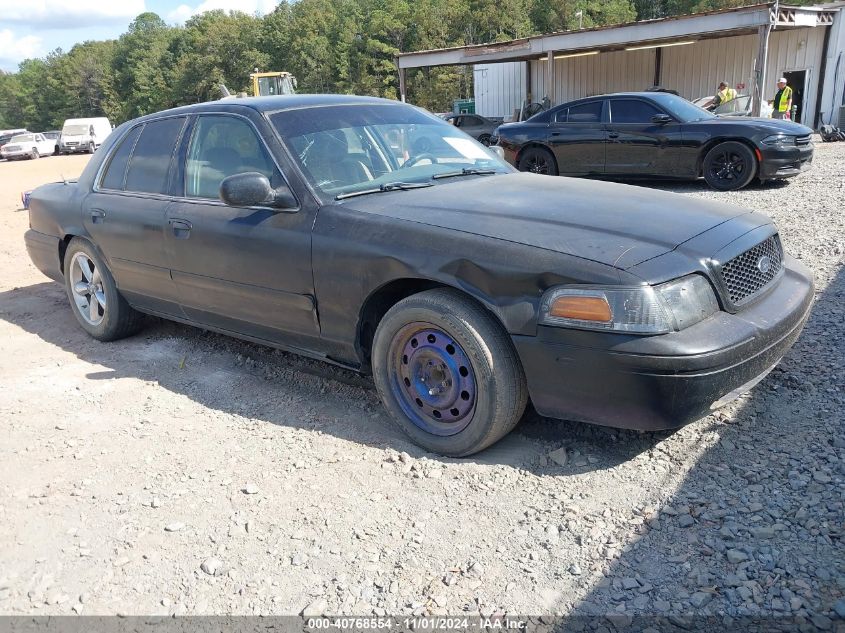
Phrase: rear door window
(149, 166)
(632, 111)
(223, 146)
(116, 170)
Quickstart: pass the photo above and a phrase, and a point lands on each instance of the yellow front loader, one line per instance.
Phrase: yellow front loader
(272, 83)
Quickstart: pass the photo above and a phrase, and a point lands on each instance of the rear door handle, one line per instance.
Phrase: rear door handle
(97, 216)
(613, 135)
(181, 228)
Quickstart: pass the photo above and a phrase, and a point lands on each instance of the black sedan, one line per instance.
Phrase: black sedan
(308, 223)
(647, 134)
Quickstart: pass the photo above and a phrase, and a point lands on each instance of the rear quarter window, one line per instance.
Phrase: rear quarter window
(115, 173)
(149, 166)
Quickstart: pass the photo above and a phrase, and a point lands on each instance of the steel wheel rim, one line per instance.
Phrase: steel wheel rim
(728, 167)
(86, 286)
(432, 379)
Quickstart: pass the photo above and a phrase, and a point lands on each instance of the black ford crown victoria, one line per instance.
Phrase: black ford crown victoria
(374, 235)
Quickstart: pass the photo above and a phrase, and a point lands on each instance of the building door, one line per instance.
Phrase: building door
(797, 80)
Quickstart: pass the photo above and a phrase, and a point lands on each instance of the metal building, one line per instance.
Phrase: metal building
(748, 47)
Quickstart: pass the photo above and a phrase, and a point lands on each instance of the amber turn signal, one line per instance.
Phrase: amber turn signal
(582, 308)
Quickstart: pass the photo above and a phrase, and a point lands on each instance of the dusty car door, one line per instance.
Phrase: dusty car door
(577, 137)
(638, 145)
(246, 270)
(125, 214)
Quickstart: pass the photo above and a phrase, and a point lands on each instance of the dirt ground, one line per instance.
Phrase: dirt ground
(185, 472)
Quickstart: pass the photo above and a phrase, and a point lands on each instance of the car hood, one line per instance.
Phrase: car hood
(617, 225)
(773, 126)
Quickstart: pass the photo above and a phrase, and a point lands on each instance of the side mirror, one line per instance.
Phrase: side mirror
(661, 119)
(252, 189)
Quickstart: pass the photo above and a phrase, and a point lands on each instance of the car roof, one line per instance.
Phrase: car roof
(275, 103)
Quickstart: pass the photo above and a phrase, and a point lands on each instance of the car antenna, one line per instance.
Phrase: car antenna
(64, 180)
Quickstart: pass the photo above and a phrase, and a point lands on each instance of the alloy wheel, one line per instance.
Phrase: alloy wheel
(728, 167)
(87, 285)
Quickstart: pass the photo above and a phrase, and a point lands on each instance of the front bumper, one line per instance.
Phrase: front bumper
(785, 162)
(43, 250)
(666, 381)
(15, 154)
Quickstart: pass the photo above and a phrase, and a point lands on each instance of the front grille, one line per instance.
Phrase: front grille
(748, 273)
(802, 140)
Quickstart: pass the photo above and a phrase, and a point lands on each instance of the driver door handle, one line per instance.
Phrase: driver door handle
(181, 228)
(97, 215)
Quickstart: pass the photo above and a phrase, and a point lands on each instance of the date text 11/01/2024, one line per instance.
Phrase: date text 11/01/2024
(416, 624)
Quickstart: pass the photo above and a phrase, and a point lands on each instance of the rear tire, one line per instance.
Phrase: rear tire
(448, 373)
(94, 298)
(730, 166)
(485, 140)
(538, 160)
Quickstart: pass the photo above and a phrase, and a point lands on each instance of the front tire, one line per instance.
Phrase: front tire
(447, 373)
(538, 160)
(91, 148)
(485, 139)
(729, 166)
(34, 155)
(94, 298)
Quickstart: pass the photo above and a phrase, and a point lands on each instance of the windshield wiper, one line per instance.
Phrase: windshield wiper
(466, 171)
(388, 186)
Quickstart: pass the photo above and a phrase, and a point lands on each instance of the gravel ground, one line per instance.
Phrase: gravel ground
(182, 472)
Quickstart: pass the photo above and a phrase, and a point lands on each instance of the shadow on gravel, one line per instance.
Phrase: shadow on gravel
(684, 186)
(237, 377)
(753, 539)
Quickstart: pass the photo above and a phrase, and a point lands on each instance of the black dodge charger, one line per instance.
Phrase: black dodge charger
(317, 224)
(649, 134)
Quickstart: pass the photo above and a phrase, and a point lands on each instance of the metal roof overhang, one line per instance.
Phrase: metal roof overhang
(723, 23)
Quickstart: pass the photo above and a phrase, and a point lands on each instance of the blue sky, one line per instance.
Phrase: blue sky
(33, 28)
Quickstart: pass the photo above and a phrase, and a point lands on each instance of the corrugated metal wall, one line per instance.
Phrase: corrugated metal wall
(693, 70)
(499, 89)
(577, 77)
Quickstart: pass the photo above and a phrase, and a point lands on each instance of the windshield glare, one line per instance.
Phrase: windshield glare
(75, 130)
(23, 138)
(342, 149)
(684, 110)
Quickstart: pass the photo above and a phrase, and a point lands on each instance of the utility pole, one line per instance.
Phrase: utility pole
(763, 33)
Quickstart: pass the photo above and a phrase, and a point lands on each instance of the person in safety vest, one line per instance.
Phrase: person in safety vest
(723, 95)
(782, 103)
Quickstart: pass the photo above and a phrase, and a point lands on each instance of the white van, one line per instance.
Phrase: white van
(83, 135)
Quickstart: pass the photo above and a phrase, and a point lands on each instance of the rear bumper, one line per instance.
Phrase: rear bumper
(661, 382)
(786, 162)
(43, 250)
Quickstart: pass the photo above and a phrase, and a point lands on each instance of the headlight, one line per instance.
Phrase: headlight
(668, 307)
(779, 139)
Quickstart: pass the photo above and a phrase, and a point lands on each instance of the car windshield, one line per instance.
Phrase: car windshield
(354, 148)
(23, 138)
(684, 110)
(75, 130)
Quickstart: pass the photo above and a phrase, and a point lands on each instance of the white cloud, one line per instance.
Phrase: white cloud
(14, 49)
(61, 14)
(184, 11)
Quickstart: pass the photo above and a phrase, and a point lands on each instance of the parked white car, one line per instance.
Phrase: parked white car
(29, 145)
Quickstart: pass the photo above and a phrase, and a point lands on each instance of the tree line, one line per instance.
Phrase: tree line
(335, 46)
